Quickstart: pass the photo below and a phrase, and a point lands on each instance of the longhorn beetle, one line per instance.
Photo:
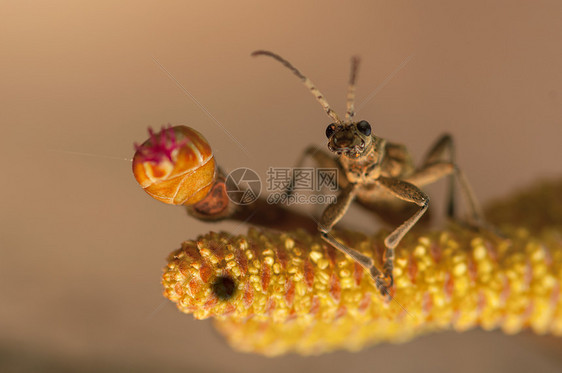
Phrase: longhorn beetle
(376, 169)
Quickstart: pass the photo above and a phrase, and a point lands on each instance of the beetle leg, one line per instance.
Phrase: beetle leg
(442, 145)
(406, 192)
(322, 158)
(332, 214)
(436, 171)
(435, 166)
(363, 260)
(335, 211)
(436, 153)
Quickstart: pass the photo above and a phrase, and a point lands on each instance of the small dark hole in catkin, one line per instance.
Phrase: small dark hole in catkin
(224, 287)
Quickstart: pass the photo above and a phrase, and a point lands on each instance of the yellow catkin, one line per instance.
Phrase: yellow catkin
(294, 293)
(320, 300)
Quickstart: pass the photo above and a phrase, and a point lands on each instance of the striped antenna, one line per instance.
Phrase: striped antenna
(307, 82)
(350, 108)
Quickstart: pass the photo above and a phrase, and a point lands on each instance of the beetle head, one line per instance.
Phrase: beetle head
(350, 139)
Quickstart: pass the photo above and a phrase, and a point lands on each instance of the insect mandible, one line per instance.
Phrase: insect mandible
(376, 169)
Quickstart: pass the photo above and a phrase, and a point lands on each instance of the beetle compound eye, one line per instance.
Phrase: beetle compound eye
(364, 127)
(330, 130)
(224, 287)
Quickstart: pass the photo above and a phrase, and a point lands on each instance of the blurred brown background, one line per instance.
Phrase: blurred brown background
(82, 246)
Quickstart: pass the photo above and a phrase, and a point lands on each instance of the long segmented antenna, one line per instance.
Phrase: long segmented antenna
(350, 107)
(307, 82)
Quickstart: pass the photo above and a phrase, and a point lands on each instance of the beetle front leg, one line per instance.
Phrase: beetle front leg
(406, 192)
(335, 211)
(332, 214)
